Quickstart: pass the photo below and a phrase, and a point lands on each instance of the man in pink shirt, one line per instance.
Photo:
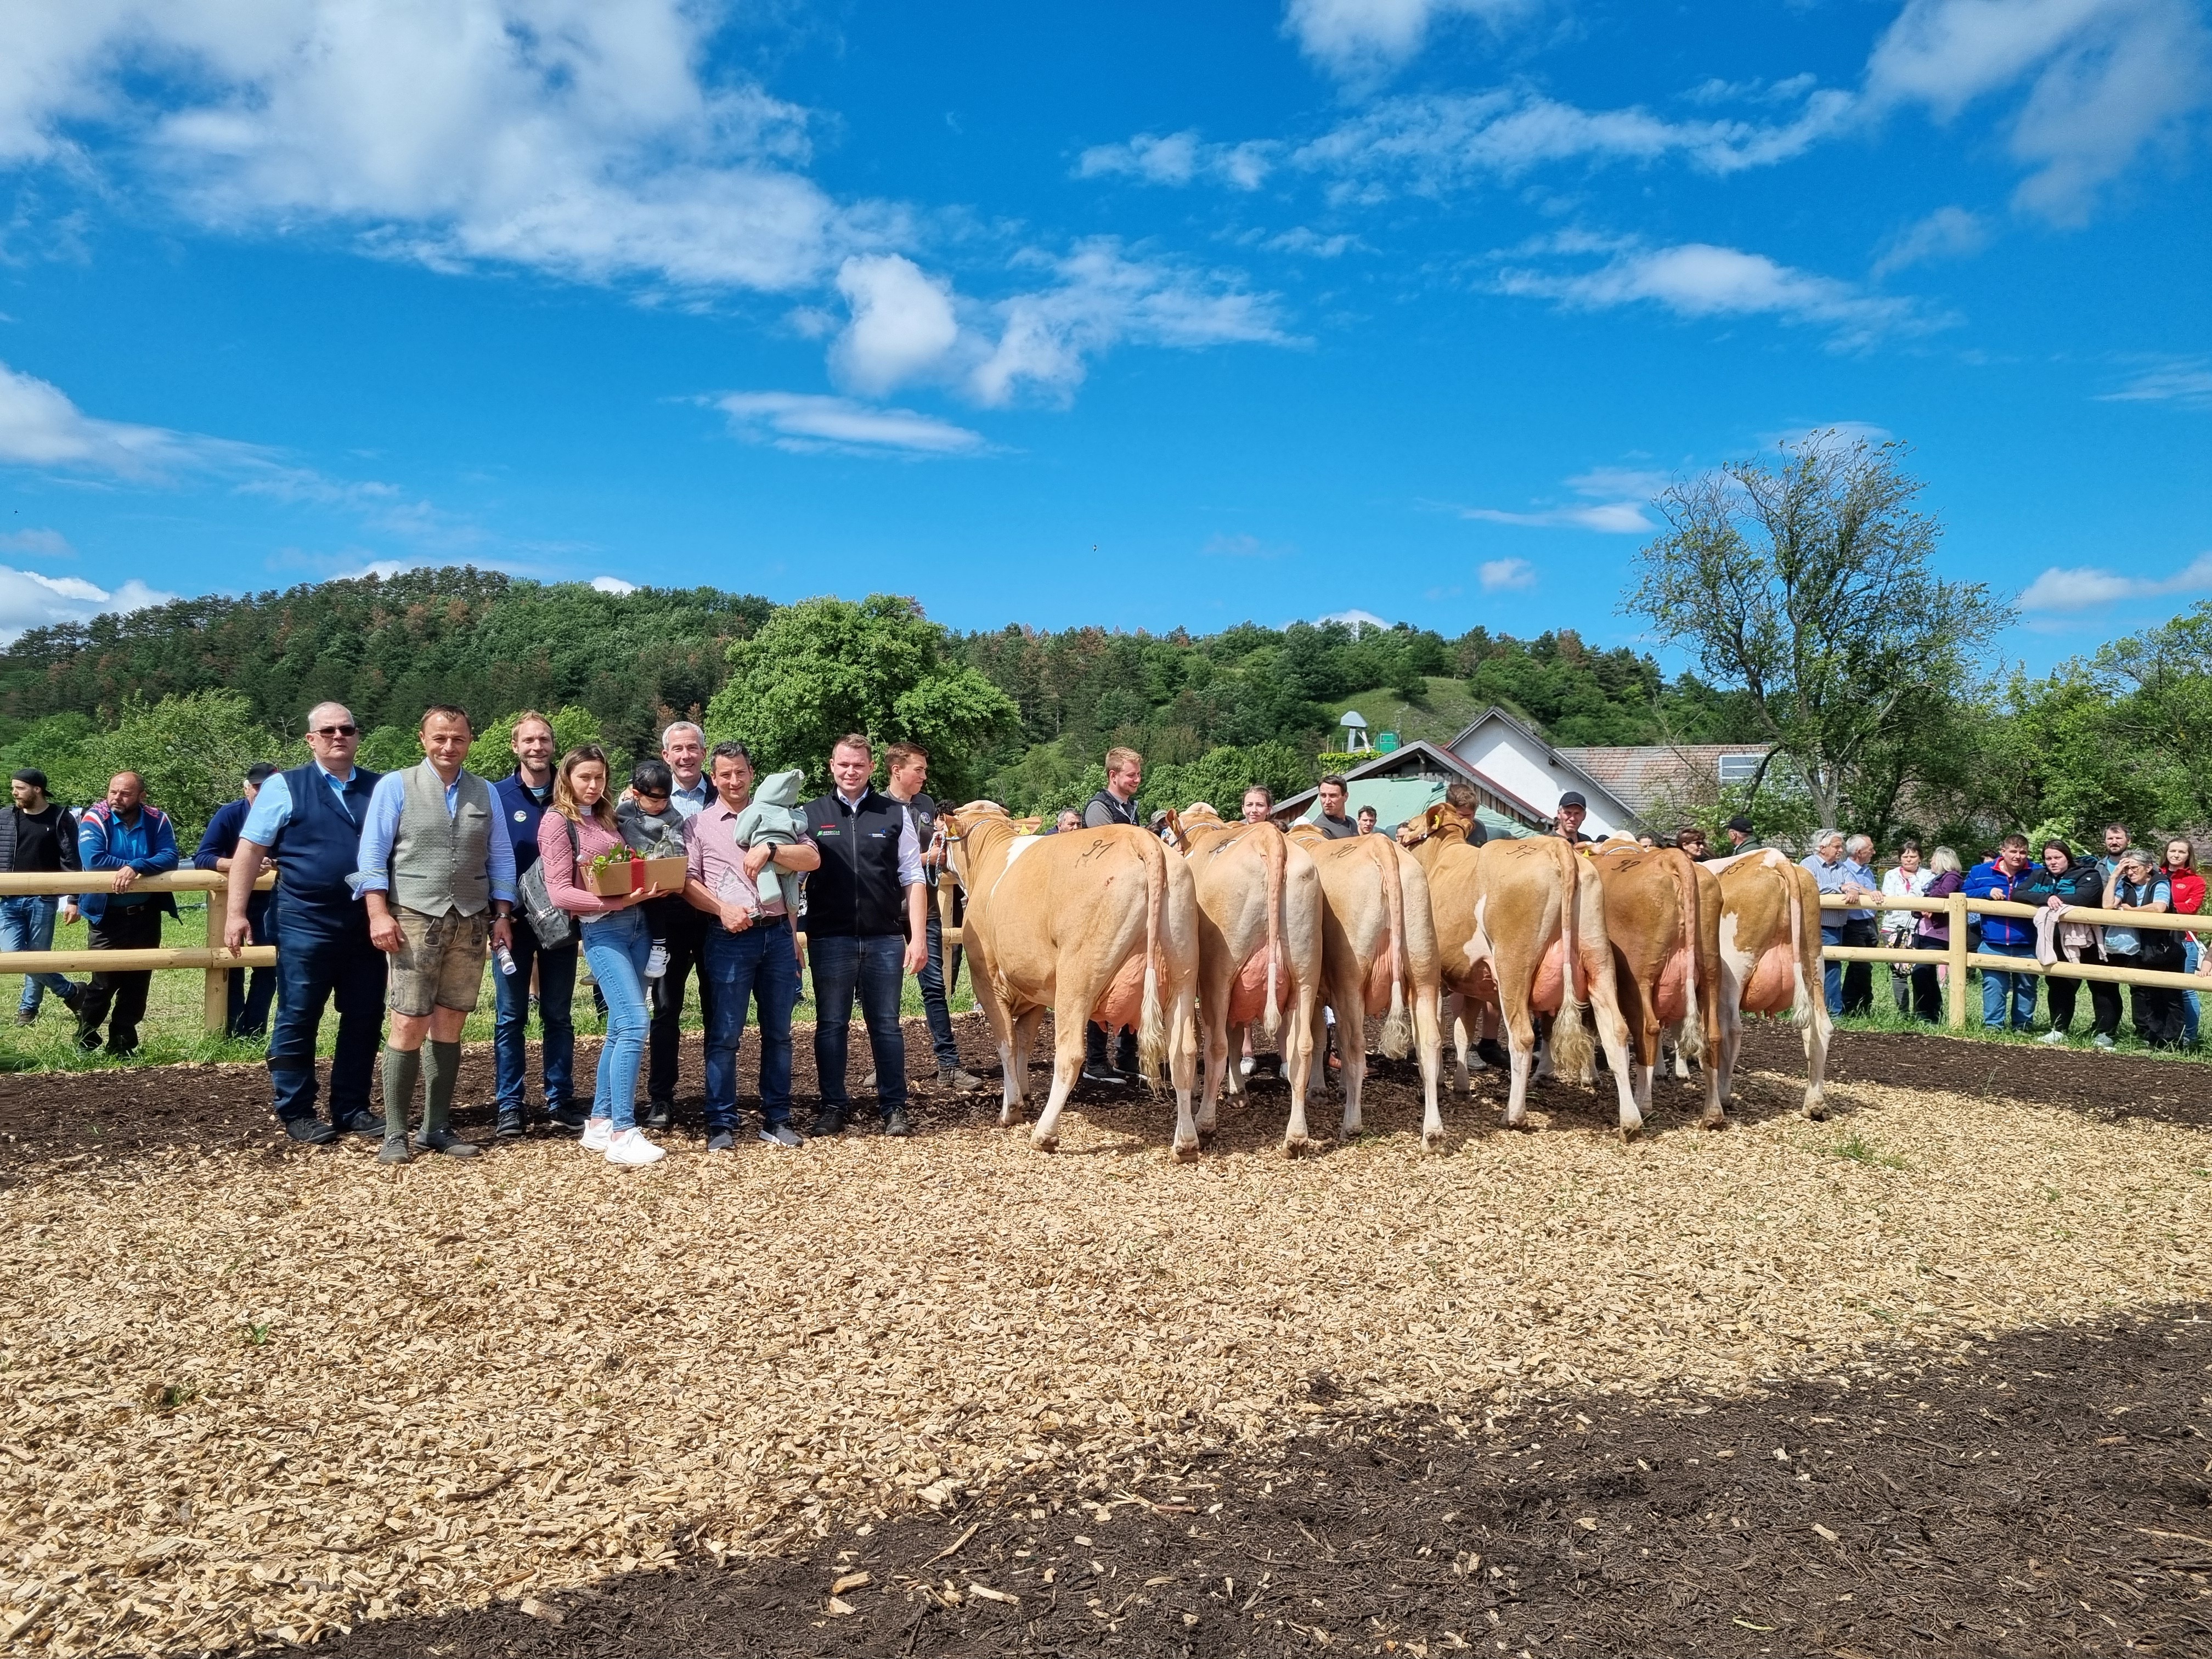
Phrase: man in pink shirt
(748, 952)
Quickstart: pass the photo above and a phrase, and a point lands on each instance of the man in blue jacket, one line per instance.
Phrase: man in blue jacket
(122, 834)
(2005, 936)
(522, 797)
(247, 1006)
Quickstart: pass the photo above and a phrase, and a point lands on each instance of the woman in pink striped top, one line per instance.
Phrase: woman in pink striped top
(576, 828)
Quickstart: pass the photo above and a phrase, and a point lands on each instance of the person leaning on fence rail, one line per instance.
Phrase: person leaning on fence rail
(1859, 926)
(37, 836)
(2180, 871)
(2137, 884)
(751, 956)
(1933, 933)
(1904, 880)
(123, 835)
(1836, 874)
(2061, 881)
(245, 1006)
(2004, 936)
(579, 828)
(308, 820)
(437, 877)
(683, 748)
(523, 796)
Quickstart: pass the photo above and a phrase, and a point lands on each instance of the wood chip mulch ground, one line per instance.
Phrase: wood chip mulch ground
(254, 1396)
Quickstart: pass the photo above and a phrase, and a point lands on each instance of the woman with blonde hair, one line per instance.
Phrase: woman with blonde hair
(1933, 933)
(578, 827)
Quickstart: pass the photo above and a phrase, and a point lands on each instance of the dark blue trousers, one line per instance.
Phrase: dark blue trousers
(756, 964)
(248, 1002)
(873, 967)
(315, 967)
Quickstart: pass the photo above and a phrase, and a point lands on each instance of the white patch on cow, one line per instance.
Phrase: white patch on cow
(1478, 942)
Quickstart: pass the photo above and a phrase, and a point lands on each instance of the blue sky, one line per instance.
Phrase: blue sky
(1143, 315)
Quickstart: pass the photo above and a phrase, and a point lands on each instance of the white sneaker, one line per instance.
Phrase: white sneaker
(598, 1134)
(2052, 1039)
(656, 962)
(2102, 1041)
(632, 1150)
(1244, 1066)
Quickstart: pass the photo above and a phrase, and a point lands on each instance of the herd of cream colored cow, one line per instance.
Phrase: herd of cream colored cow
(1615, 947)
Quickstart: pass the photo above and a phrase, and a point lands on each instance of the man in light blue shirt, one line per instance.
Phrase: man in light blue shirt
(1836, 873)
(436, 875)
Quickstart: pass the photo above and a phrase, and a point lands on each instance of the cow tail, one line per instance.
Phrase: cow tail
(1572, 1050)
(1397, 1026)
(1277, 853)
(1152, 1024)
(1690, 1039)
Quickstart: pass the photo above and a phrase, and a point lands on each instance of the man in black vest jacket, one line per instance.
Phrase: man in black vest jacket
(1115, 803)
(868, 893)
(906, 770)
(309, 820)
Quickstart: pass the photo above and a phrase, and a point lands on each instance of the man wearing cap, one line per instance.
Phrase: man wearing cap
(1572, 810)
(37, 837)
(247, 1006)
(1740, 837)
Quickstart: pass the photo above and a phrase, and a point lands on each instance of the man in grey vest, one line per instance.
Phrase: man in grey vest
(437, 875)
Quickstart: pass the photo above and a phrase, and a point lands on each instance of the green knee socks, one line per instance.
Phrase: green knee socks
(443, 1070)
(401, 1068)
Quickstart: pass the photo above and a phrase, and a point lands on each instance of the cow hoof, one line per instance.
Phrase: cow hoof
(1522, 1124)
(1045, 1143)
(1716, 1122)
(1433, 1142)
(1629, 1132)
(1186, 1153)
(1294, 1145)
(1817, 1114)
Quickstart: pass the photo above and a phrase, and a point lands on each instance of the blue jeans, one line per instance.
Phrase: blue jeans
(874, 967)
(556, 993)
(313, 968)
(246, 997)
(1996, 987)
(934, 1007)
(617, 947)
(2191, 1011)
(756, 962)
(27, 924)
(1831, 974)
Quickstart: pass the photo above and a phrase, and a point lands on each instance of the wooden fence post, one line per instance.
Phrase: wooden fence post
(1958, 954)
(215, 1000)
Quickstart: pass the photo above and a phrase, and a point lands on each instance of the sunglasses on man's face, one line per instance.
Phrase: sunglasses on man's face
(335, 731)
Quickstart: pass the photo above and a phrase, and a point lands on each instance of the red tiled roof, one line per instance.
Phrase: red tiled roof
(1639, 777)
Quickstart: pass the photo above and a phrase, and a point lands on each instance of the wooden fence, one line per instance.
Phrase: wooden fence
(1958, 908)
(211, 958)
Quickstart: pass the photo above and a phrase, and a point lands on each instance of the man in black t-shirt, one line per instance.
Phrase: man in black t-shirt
(1332, 822)
(906, 770)
(36, 836)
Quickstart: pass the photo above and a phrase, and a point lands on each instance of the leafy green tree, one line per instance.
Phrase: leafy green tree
(1221, 776)
(826, 666)
(491, 755)
(1806, 585)
(192, 752)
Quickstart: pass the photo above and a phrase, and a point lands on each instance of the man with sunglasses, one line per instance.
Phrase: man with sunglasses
(308, 820)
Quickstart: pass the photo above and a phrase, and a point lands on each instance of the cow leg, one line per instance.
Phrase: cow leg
(1612, 1033)
(1067, 1022)
(1428, 1044)
(1520, 1050)
(1221, 1047)
(1182, 1070)
(1297, 1068)
(1455, 1013)
(1015, 1055)
(1232, 1071)
(1713, 1117)
(1735, 973)
(1818, 1030)
(1543, 1049)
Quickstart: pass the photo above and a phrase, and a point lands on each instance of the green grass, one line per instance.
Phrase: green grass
(1858, 1149)
(1884, 1017)
(1449, 708)
(174, 1032)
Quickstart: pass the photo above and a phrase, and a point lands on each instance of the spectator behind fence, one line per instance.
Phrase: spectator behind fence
(1117, 804)
(683, 747)
(309, 819)
(1259, 804)
(1934, 934)
(37, 836)
(246, 1006)
(906, 771)
(1742, 838)
(580, 827)
(1332, 823)
(523, 796)
(1905, 880)
(1835, 874)
(1573, 809)
(2188, 901)
(2005, 936)
(868, 892)
(1691, 839)
(2059, 882)
(437, 877)
(123, 835)
(2137, 884)
(1859, 926)
(1366, 820)
(1460, 796)
(749, 955)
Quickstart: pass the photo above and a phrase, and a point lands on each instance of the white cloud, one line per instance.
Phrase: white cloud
(2107, 79)
(810, 424)
(576, 137)
(1179, 158)
(614, 585)
(384, 569)
(1357, 39)
(2187, 381)
(1614, 500)
(1505, 575)
(48, 544)
(40, 426)
(1354, 619)
(902, 323)
(1699, 280)
(30, 600)
(1949, 233)
(2086, 586)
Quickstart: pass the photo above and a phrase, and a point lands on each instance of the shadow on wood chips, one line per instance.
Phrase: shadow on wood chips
(2042, 1496)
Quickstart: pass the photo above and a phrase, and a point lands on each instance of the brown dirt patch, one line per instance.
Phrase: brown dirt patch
(2042, 1494)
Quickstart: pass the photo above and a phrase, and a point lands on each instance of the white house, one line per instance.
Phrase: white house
(1497, 747)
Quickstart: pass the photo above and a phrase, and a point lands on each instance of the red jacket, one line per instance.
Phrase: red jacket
(2188, 891)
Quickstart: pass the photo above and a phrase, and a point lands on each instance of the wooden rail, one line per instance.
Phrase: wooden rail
(213, 958)
(1958, 908)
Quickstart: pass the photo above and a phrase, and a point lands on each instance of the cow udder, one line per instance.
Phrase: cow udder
(1672, 1001)
(1123, 1004)
(1773, 986)
(1248, 996)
